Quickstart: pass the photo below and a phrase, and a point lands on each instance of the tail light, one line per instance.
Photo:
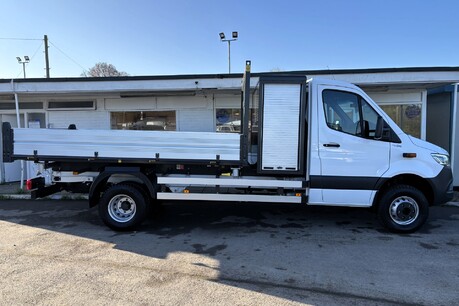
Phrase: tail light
(29, 185)
(35, 183)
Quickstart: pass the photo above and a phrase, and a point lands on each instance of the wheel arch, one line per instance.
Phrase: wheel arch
(127, 175)
(413, 180)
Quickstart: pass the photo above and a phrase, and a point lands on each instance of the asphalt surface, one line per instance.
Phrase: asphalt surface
(58, 253)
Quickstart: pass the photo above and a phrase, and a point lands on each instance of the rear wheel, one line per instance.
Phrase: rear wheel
(123, 207)
(403, 209)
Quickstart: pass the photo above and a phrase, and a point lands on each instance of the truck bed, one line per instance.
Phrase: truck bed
(125, 144)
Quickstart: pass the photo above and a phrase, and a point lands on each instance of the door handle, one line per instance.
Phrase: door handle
(331, 145)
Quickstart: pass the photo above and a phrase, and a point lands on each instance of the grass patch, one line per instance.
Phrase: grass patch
(80, 197)
(20, 191)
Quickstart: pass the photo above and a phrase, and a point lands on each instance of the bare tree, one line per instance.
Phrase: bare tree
(103, 69)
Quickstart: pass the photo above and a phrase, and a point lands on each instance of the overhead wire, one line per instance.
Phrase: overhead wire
(36, 51)
(51, 43)
(74, 61)
(14, 38)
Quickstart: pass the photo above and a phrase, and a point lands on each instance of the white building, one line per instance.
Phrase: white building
(422, 101)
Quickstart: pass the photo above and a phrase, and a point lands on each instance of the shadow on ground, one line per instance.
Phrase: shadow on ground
(341, 252)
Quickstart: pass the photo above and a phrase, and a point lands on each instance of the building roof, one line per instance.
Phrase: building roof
(426, 77)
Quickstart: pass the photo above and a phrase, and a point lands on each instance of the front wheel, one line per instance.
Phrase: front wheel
(403, 209)
(123, 207)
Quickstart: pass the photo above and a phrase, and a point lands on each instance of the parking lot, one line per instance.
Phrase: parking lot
(58, 252)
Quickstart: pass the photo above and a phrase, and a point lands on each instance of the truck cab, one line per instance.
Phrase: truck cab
(360, 157)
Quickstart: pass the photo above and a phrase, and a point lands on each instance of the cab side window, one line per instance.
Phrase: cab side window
(349, 113)
(341, 111)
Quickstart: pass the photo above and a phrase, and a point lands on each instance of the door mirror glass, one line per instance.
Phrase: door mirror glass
(379, 128)
(383, 132)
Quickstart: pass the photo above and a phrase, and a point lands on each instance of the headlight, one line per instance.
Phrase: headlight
(442, 159)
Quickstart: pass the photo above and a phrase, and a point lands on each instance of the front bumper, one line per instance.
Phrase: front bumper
(442, 186)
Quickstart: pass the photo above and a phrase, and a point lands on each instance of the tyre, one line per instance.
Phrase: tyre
(403, 209)
(123, 207)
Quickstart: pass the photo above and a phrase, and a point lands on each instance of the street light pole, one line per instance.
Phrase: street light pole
(23, 62)
(23, 69)
(18, 117)
(229, 56)
(222, 38)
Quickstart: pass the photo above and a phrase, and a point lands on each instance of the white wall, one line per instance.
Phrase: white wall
(125, 104)
(96, 118)
(157, 103)
(196, 120)
(397, 97)
(87, 119)
(227, 101)
(193, 113)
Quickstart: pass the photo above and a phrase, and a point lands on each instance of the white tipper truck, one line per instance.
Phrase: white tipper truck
(313, 142)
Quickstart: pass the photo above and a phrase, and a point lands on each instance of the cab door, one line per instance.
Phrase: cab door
(352, 160)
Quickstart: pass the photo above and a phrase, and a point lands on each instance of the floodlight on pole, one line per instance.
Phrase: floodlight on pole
(23, 62)
(234, 34)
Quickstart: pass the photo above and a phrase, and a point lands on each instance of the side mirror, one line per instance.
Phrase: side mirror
(366, 129)
(379, 128)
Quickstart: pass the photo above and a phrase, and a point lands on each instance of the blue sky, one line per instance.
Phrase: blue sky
(153, 37)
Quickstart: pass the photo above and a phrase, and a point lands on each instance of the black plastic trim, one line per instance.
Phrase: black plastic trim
(7, 142)
(102, 178)
(304, 199)
(37, 183)
(442, 186)
(346, 182)
(45, 191)
(245, 111)
(111, 160)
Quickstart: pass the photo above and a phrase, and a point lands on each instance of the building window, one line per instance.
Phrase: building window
(407, 117)
(70, 105)
(36, 120)
(143, 120)
(228, 120)
(22, 105)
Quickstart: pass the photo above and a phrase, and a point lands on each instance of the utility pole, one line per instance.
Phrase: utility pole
(46, 56)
